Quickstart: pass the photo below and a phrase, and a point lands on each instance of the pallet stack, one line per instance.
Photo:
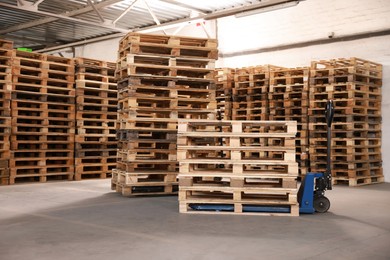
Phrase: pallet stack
(43, 118)
(160, 79)
(289, 101)
(5, 108)
(355, 86)
(224, 81)
(96, 114)
(237, 167)
(250, 93)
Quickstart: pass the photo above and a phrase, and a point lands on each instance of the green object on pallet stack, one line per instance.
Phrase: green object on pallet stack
(24, 49)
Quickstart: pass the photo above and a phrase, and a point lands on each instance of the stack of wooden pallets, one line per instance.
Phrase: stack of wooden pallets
(96, 105)
(238, 167)
(289, 101)
(5, 108)
(43, 118)
(250, 99)
(355, 86)
(224, 81)
(160, 79)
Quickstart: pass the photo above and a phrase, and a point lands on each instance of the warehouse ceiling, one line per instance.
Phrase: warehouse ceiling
(45, 24)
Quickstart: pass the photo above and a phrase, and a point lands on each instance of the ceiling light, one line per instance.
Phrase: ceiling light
(267, 9)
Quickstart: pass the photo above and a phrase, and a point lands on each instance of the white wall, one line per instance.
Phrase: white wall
(312, 20)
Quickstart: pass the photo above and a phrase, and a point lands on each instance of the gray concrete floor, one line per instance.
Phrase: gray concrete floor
(86, 220)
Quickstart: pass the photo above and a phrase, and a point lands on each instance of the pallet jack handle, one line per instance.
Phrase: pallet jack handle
(329, 114)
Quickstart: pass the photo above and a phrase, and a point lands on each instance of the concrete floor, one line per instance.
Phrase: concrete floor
(86, 220)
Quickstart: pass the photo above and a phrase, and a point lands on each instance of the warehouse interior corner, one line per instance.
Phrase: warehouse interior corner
(177, 129)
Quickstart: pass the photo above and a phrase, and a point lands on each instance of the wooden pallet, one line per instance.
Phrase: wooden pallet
(147, 154)
(342, 62)
(133, 37)
(165, 93)
(51, 62)
(40, 175)
(97, 85)
(144, 136)
(165, 61)
(5, 104)
(358, 181)
(4, 44)
(136, 118)
(95, 151)
(94, 167)
(140, 124)
(224, 179)
(336, 79)
(145, 178)
(47, 159)
(239, 198)
(260, 168)
(145, 190)
(164, 82)
(279, 128)
(147, 165)
(103, 78)
(225, 75)
(136, 43)
(92, 66)
(167, 71)
(4, 173)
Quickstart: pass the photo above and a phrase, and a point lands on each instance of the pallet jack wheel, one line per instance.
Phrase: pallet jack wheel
(321, 204)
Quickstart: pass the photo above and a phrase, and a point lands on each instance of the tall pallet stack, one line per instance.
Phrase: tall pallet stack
(237, 167)
(224, 81)
(96, 105)
(5, 108)
(43, 118)
(250, 100)
(355, 86)
(160, 79)
(289, 101)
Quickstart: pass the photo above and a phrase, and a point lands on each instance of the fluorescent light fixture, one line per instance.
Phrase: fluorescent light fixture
(267, 9)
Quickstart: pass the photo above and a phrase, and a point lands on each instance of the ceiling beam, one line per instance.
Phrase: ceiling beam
(92, 4)
(46, 20)
(29, 39)
(38, 2)
(176, 23)
(125, 11)
(20, 2)
(59, 16)
(155, 19)
(185, 6)
(80, 43)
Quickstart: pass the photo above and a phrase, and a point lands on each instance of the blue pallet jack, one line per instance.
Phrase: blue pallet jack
(311, 193)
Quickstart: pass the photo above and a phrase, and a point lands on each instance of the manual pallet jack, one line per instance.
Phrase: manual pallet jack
(311, 193)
